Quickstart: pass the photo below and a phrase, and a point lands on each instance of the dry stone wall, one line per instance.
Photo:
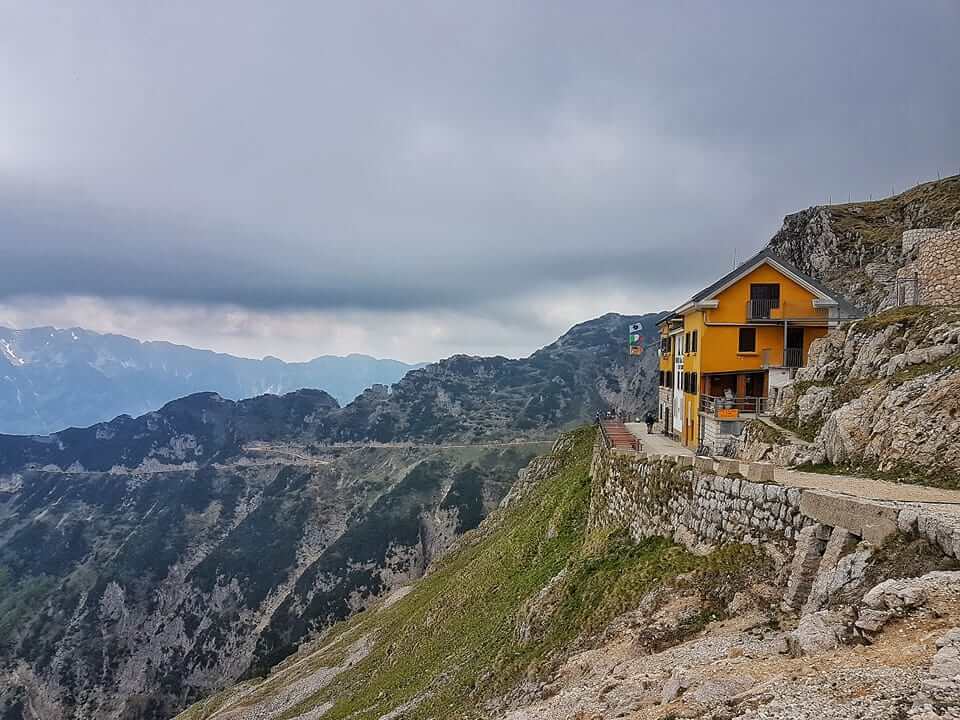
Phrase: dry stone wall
(935, 265)
(683, 499)
(823, 538)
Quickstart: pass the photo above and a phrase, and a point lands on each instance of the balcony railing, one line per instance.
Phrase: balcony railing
(786, 358)
(732, 408)
(778, 311)
(762, 309)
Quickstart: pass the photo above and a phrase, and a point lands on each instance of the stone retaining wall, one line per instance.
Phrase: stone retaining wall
(703, 502)
(695, 506)
(935, 265)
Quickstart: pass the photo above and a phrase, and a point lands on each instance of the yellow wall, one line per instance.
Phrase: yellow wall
(796, 299)
(718, 345)
(666, 361)
(692, 362)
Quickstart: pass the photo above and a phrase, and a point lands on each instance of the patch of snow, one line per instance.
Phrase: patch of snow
(8, 353)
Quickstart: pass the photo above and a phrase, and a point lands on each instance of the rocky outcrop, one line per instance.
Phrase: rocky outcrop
(856, 248)
(882, 394)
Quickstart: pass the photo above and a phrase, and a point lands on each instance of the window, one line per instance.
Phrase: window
(693, 384)
(693, 341)
(748, 340)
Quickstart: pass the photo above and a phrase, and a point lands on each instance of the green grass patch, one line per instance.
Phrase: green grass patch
(916, 319)
(882, 222)
(516, 597)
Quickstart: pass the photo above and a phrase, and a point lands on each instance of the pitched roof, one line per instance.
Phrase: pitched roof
(847, 309)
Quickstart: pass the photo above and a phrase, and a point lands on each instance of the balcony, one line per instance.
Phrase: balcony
(724, 408)
(778, 311)
(786, 358)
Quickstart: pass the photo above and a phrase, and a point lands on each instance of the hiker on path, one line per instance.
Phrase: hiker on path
(649, 420)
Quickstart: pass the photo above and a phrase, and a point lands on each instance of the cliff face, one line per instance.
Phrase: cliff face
(855, 248)
(881, 396)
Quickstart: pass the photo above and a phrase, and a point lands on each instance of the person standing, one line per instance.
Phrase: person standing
(649, 419)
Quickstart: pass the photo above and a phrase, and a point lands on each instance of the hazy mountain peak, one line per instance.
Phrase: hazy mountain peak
(55, 378)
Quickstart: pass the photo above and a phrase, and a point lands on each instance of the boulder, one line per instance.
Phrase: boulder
(946, 663)
(818, 632)
(872, 621)
(899, 595)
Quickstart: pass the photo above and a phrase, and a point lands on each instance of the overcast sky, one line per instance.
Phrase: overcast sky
(413, 179)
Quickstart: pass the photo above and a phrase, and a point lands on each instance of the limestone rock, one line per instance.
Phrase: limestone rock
(872, 621)
(946, 663)
(900, 595)
(818, 632)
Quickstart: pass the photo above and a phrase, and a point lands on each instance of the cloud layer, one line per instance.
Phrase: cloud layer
(434, 165)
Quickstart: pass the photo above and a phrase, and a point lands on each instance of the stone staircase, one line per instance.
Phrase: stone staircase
(617, 436)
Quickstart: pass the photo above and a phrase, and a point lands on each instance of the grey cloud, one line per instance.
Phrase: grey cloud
(430, 156)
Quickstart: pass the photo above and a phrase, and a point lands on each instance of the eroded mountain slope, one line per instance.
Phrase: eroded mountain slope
(153, 588)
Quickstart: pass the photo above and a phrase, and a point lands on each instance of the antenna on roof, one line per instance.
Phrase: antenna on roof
(734, 258)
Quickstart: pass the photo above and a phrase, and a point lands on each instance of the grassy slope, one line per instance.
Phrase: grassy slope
(452, 642)
(881, 222)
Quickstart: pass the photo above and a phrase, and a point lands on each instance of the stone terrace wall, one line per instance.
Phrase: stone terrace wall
(936, 265)
(702, 502)
(698, 508)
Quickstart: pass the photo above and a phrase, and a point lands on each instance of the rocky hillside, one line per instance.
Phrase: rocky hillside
(543, 614)
(53, 379)
(467, 399)
(201, 543)
(560, 385)
(855, 248)
(491, 624)
(153, 588)
(879, 397)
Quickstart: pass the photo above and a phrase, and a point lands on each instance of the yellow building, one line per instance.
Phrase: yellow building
(728, 351)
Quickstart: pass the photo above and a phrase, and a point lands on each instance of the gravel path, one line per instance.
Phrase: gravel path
(860, 487)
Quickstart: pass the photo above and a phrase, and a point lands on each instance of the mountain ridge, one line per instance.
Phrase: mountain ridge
(466, 398)
(53, 379)
(201, 543)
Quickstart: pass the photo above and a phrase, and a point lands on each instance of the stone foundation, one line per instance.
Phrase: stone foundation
(701, 503)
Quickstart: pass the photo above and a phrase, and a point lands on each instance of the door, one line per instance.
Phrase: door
(753, 390)
(764, 297)
(793, 353)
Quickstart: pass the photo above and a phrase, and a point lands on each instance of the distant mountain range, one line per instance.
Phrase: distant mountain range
(52, 379)
(203, 542)
(462, 399)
